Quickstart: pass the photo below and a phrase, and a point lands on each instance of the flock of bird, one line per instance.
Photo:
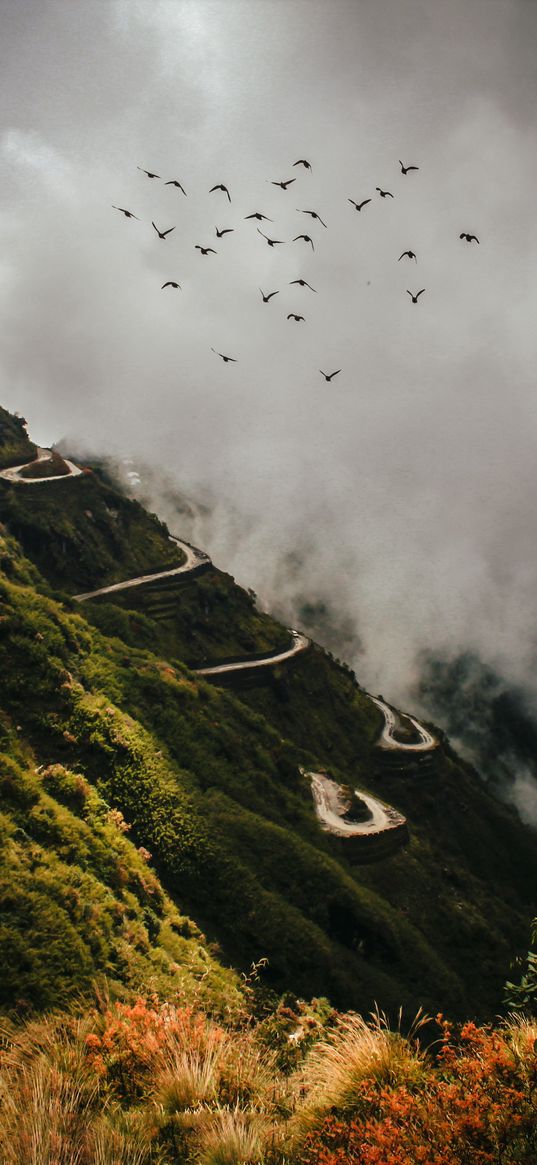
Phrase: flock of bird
(303, 237)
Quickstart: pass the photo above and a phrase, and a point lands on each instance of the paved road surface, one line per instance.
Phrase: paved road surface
(387, 740)
(193, 558)
(14, 473)
(299, 643)
(330, 806)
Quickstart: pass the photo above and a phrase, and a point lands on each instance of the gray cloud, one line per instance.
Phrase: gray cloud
(402, 492)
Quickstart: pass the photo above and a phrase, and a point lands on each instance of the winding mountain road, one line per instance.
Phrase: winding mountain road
(299, 643)
(193, 559)
(329, 798)
(14, 473)
(330, 807)
(387, 740)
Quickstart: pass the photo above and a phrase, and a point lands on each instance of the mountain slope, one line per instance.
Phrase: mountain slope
(213, 783)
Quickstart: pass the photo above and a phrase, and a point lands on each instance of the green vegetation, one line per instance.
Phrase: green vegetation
(82, 535)
(15, 445)
(214, 792)
(202, 620)
(53, 466)
(522, 996)
(97, 697)
(78, 900)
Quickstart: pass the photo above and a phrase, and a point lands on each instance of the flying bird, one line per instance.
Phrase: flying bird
(127, 213)
(304, 163)
(408, 254)
(405, 169)
(302, 283)
(328, 375)
(294, 317)
(384, 193)
(271, 242)
(226, 231)
(359, 205)
(469, 238)
(170, 283)
(415, 297)
(306, 238)
(269, 296)
(221, 187)
(285, 184)
(226, 359)
(174, 182)
(313, 215)
(258, 216)
(148, 172)
(162, 234)
(205, 250)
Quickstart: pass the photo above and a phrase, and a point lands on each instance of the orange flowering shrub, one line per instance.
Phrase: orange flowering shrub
(476, 1105)
(129, 1045)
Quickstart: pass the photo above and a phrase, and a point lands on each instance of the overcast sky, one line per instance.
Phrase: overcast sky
(406, 485)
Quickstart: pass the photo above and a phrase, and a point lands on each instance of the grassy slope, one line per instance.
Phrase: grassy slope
(207, 619)
(214, 792)
(78, 900)
(82, 535)
(15, 445)
(463, 841)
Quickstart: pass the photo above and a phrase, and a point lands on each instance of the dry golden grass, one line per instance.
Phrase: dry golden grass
(45, 1096)
(521, 1038)
(356, 1050)
(233, 1137)
(188, 1077)
(51, 1110)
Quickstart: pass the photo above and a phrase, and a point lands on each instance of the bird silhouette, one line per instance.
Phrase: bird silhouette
(415, 297)
(405, 169)
(127, 213)
(205, 250)
(258, 216)
(469, 238)
(328, 375)
(226, 359)
(313, 214)
(285, 184)
(408, 254)
(294, 317)
(226, 231)
(358, 205)
(162, 234)
(306, 238)
(148, 172)
(221, 187)
(302, 283)
(269, 296)
(384, 193)
(174, 182)
(170, 283)
(302, 162)
(271, 242)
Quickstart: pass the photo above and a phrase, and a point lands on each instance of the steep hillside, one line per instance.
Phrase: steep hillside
(15, 445)
(78, 899)
(216, 783)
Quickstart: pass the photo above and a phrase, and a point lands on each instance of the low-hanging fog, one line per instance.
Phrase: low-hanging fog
(400, 495)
